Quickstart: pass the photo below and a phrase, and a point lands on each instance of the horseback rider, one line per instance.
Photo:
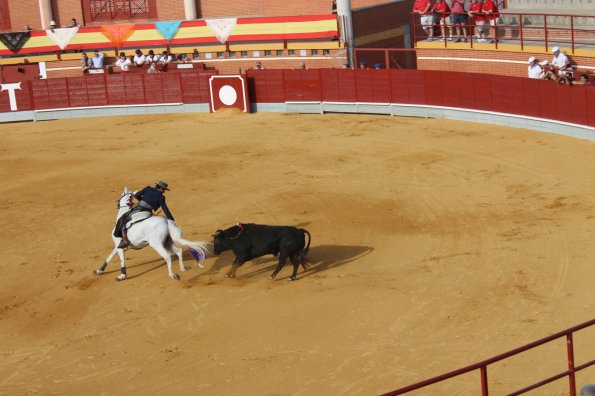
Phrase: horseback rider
(149, 199)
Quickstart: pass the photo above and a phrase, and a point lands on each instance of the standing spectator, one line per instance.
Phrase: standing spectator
(165, 58)
(458, 19)
(534, 70)
(124, 63)
(259, 66)
(86, 63)
(139, 58)
(334, 7)
(422, 7)
(97, 59)
(490, 9)
(195, 54)
(476, 18)
(442, 11)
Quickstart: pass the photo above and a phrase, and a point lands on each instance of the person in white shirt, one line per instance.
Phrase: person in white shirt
(534, 70)
(165, 58)
(124, 63)
(139, 58)
(151, 57)
(560, 60)
(97, 59)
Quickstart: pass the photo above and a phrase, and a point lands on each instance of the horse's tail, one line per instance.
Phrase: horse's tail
(201, 247)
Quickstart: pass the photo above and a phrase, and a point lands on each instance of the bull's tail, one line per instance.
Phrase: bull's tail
(304, 252)
(201, 247)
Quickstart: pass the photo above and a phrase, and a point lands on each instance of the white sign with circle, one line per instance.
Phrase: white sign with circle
(228, 95)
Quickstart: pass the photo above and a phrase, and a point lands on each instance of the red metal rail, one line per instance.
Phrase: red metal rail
(483, 366)
(540, 32)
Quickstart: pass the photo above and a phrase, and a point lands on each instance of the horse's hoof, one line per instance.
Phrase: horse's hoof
(184, 268)
(200, 265)
(97, 272)
(271, 277)
(174, 276)
(291, 278)
(121, 277)
(228, 275)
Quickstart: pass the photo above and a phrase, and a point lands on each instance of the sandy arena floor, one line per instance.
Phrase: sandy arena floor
(436, 244)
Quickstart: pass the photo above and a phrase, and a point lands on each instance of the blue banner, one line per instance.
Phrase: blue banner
(168, 29)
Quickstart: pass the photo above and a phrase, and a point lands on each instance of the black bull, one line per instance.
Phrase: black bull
(249, 241)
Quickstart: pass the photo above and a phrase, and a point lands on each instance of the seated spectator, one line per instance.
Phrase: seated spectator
(139, 58)
(362, 65)
(583, 80)
(377, 65)
(73, 23)
(152, 68)
(124, 63)
(458, 20)
(97, 59)
(260, 66)
(479, 19)
(86, 63)
(151, 57)
(422, 8)
(442, 11)
(561, 61)
(548, 71)
(182, 58)
(534, 70)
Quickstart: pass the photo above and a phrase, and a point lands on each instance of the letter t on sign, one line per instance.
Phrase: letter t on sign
(11, 95)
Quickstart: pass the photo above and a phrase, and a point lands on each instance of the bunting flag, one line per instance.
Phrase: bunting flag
(222, 28)
(14, 41)
(168, 29)
(62, 36)
(117, 34)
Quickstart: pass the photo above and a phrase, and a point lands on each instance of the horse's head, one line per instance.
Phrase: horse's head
(125, 200)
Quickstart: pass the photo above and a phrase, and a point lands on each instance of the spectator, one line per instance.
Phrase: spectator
(97, 59)
(259, 66)
(476, 18)
(151, 57)
(561, 61)
(490, 9)
(534, 70)
(588, 390)
(139, 58)
(73, 23)
(583, 80)
(458, 20)
(195, 54)
(124, 63)
(362, 65)
(302, 66)
(334, 7)
(422, 7)
(86, 63)
(152, 68)
(548, 71)
(165, 58)
(377, 65)
(442, 11)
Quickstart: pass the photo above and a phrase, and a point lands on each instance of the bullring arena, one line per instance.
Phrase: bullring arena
(436, 244)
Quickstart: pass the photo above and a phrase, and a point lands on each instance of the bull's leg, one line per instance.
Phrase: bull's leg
(296, 264)
(282, 261)
(234, 268)
(302, 259)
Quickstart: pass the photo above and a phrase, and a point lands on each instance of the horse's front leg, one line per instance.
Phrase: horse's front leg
(122, 275)
(101, 269)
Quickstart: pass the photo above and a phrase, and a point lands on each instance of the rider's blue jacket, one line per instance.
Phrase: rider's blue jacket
(154, 198)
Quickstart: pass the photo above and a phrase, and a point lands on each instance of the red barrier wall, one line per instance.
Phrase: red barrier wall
(513, 95)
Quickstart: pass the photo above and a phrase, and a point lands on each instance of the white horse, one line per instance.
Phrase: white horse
(160, 233)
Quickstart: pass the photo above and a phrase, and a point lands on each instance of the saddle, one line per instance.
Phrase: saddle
(137, 217)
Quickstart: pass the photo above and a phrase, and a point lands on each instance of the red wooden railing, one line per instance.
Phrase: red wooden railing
(482, 367)
(541, 32)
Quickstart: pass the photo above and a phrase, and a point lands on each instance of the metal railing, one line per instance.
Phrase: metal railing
(483, 366)
(524, 29)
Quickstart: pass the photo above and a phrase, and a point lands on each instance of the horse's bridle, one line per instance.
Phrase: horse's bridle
(128, 205)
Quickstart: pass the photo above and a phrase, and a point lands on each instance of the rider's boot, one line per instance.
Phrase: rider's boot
(124, 243)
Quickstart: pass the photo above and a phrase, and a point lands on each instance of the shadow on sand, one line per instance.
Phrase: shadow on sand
(189, 261)
(320, 258)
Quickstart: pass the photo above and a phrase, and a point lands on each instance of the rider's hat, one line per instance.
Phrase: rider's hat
(162, 184)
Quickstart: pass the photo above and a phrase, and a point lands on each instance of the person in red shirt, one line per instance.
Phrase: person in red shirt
(490, 9)
(422, 8)
(476, 15)
(442, 11)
